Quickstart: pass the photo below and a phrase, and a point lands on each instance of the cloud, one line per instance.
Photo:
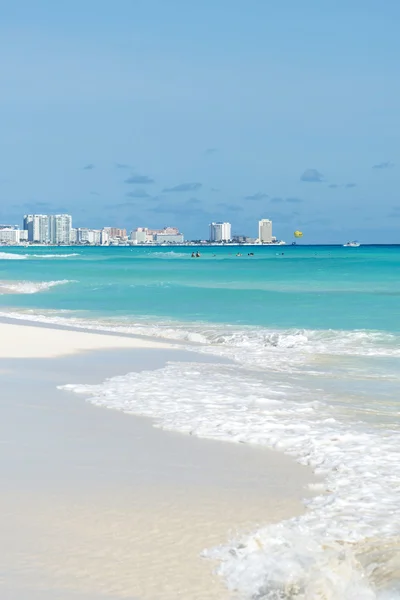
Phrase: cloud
(190, 207)
(184, 187)
(139, 179)
(36, 204)
(45, 206)
(276, 200)
(333, 185)
(180, 209)
(88, 167)
(120, 205)
(121, 166)
(282, 218)
(384, 165)
(312, 176)
(230, 207)
(95, 194)
(350, 185)
(294, 200)
(256, 196)
(319, 221)
(138, 194)
(210, 151)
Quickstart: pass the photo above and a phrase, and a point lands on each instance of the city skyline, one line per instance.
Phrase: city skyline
(57, 229)
(289, 111)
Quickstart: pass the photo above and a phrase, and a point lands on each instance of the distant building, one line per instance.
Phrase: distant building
(9, 236)
(9, 227)
(220, 232)
(238, 238)
(169, 238)
(115, 232)
(60, 229)
(37, 227)
(265, 231)
(105, 238)
(168, 235)
(141, 235)
(88, 236)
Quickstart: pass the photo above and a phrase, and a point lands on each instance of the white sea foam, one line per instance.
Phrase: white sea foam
(29, 287)
(347, 545)
(166, 254)
(10, 256)
(335, 551)
(53, 255)
(254, 347)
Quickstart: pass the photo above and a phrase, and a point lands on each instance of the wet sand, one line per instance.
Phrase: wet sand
(97, 503)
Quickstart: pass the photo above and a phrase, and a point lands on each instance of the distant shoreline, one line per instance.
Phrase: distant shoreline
(191, 245)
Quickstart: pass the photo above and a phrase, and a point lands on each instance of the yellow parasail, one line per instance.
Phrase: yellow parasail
(298, 234)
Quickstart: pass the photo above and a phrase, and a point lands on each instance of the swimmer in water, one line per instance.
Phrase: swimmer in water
(193, 255)
(197, 254)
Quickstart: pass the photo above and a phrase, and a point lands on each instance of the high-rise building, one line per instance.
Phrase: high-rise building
(220, 232)
(60, 229)
(37, 227)
(265, 231)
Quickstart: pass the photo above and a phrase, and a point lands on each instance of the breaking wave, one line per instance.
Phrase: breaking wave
(324, 554)
(9, 256)
(347, 544)
(29, 287)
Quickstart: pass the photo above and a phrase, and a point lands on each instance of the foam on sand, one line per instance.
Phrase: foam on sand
(100, 503)
(313, 556)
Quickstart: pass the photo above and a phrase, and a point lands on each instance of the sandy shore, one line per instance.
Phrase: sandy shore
(99, 504)
(31, 341)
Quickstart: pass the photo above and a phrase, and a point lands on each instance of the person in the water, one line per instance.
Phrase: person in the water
(193, 255)
(197, 254)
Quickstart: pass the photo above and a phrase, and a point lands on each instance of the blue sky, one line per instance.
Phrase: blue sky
(174, 112)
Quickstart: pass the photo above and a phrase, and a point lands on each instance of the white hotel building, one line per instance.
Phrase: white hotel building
(48, 229)
(265, 231)
(220, 232)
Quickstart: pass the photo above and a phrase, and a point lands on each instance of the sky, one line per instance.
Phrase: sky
(173, 112)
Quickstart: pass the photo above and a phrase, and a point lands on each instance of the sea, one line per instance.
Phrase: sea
(306, 341)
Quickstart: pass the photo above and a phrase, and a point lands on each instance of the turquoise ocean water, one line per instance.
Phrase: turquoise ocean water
(314, 336)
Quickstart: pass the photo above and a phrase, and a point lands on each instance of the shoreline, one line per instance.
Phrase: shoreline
(96, 501)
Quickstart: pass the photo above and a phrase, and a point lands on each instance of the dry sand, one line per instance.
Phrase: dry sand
(30, 341)
(96, 503)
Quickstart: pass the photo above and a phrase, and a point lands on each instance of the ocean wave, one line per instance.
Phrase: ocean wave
(167, 254)
(346, 545)
(10, 256)
(29, 287)
(322, 554)
(253, 347)
(53, 255)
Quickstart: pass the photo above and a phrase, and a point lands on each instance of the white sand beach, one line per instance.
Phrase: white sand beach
(27, 341)
(99, 504)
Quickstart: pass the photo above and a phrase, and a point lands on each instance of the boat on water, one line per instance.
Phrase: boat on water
(352, 245)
